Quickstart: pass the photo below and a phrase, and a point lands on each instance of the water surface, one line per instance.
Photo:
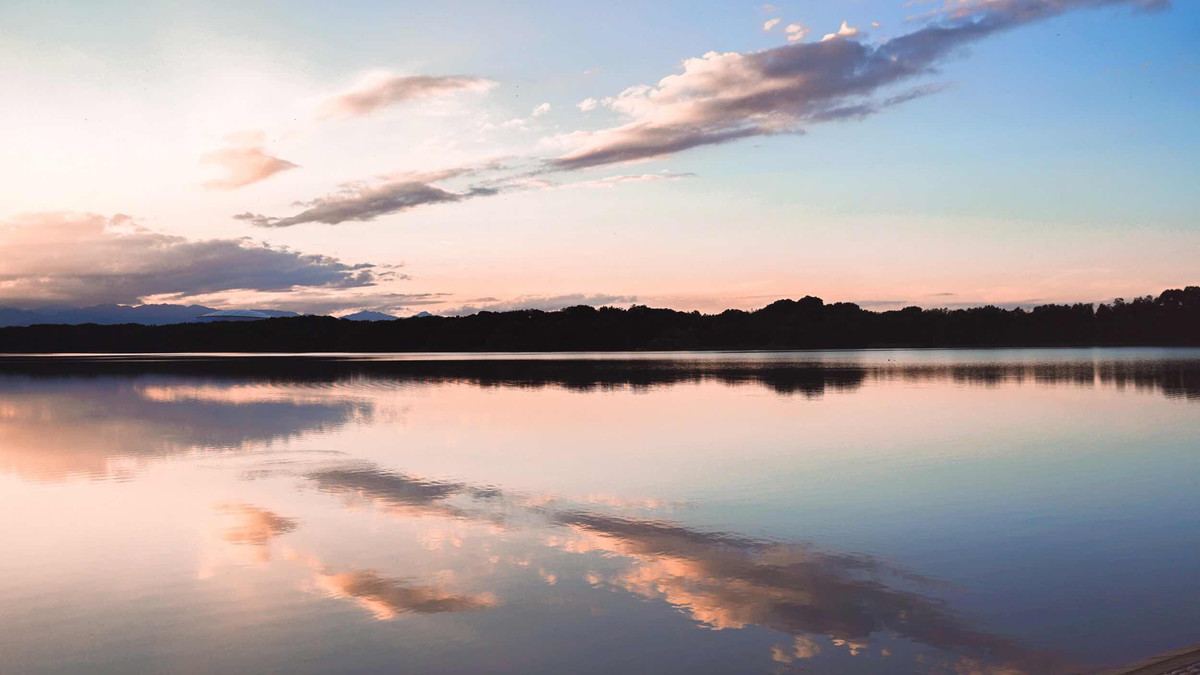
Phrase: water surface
(939, 511)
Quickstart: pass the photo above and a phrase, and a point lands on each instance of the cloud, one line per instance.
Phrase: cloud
(845, 31)
(326, 302)
(721, 97)
(770, 23)
(244, 162)
(796, 32)
(255, 219)
(383, 90)
(367, 202)
(587, 104)
(889, 304)
(80, 259)
(533, 183)
(612, 181)
(521, 123)
(544, 303)
(642, 141)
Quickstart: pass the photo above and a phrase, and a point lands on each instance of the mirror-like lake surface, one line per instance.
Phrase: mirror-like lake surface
(940, 511)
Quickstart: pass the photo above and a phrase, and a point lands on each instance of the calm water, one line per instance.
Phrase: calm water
(831, 512)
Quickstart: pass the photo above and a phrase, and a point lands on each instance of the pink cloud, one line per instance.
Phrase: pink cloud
(244, 162)
(383, 90)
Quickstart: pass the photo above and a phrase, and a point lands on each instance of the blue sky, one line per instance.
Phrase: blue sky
(1055, 160)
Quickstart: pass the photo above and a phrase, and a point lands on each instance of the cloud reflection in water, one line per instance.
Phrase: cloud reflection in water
(720, 580)
(387, 598)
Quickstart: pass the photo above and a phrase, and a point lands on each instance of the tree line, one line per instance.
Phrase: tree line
(1171, 318)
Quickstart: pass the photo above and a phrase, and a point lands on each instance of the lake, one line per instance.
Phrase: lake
(933, 511)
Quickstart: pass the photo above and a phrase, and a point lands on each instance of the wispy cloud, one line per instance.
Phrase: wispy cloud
(606, 182)
(367, 202)
(332, 301)
(392, 193)
(721, 97)
(612, 181)
(544, 303)
(521, 123)
(383, 89)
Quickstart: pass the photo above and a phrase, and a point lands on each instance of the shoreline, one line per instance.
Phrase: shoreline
(604, 353)
(1183, 660)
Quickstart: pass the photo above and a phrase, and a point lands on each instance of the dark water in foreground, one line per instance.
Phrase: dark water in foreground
(834, 512)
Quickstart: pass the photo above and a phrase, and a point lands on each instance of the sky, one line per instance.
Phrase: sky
(455, 157)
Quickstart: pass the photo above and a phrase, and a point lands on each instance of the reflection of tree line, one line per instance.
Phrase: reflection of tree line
(72, 415)
(1173, 378)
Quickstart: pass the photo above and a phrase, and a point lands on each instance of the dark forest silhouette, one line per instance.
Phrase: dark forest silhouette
(1172, 318)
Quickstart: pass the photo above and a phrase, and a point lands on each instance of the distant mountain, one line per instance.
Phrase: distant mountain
(234, 315)
(368, 315)
(150, 315)
(17, 317)
(419, 315)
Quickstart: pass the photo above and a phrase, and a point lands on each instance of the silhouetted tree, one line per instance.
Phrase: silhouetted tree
(1172, 318)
